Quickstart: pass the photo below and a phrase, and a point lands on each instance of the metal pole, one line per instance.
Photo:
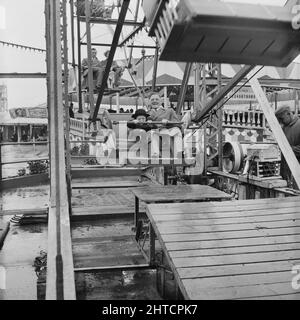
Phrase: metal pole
(135, 19)
(133, 46)
(143, 80)
(0, 162)
(155, 67)
(183, 87)
(72, 32)
(112, 51)
(89, 53)
(220, 121)
(79, 62)
(197, 88)
(66, 104)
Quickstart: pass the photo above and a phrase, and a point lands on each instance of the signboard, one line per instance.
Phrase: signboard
(35, 112)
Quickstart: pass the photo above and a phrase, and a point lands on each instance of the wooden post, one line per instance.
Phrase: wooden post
(66, 105)
(242, 192)
(5, 133)
(152, 245)
(276, 128)
(19, 133)
(60, 274)
(83, 128)
(0, 162)
(165, 97)
(118, 101)
(196, 87)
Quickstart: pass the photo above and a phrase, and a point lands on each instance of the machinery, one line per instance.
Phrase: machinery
(260, 159)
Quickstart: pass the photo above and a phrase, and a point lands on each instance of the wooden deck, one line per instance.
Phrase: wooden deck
(175, 193)
(170, 193)
(231, 250)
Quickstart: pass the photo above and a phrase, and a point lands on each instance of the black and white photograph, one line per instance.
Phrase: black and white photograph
(149, 154)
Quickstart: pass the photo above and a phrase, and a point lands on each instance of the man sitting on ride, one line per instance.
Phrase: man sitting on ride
(165, 115)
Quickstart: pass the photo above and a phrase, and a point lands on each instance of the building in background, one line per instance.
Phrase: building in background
(3, 98)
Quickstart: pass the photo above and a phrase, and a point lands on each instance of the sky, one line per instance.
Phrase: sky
(23, 22)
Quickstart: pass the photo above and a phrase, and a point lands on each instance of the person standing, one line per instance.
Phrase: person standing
(291, 127)
(71, 111)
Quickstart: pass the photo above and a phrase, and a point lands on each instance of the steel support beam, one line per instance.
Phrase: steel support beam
(79, 64)
(112, 51)
(135, 19)
(72, 32)
(135, 46)
(130, 36)
(89, 53)
(156, 57)
(225, 90)
(183, 87)
(112, 21)
(16, 75)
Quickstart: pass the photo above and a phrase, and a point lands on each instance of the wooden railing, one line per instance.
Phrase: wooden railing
(78, 125)
(243, 119)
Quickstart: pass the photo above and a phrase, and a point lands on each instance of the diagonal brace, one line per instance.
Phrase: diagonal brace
(109, 62)
(223, 92)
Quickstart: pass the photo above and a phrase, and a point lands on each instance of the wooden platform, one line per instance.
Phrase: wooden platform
(175, 193)
(231, 250)
(195, 192)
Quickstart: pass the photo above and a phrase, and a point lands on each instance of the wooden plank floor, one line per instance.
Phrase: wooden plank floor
(105, 244)
(231, 250)
(102, 202)
(111, 182)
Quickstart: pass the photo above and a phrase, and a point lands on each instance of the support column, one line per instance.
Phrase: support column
(60, 274)
(19, 133)
(165, 97)
(89, 54)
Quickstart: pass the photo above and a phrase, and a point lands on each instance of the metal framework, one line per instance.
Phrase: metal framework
(213, 120)
(109, 62)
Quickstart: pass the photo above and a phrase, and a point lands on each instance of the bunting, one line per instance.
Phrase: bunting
(20, 46)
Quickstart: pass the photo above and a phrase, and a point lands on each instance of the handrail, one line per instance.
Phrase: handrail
(148, 122)
(22, 143)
